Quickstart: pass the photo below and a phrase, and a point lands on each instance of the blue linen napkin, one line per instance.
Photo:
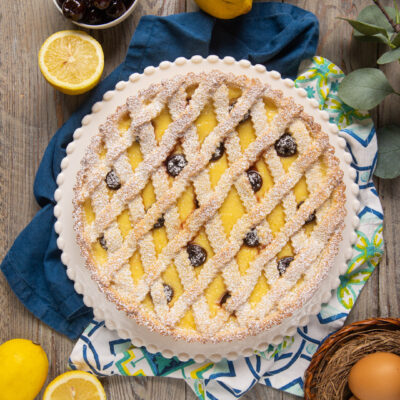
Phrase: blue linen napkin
(276, 35)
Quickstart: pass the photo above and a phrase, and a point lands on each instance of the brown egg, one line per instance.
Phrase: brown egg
(353, 398)
(376, 377)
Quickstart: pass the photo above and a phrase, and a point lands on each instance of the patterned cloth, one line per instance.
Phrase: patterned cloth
(102, 352)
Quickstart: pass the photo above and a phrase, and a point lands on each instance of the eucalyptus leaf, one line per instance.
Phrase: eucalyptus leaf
(396, 40)
(373, 15)
(388, 165)
(364, 88)
(389, 56)
(379, 38)
(397, 12)
(366, 29)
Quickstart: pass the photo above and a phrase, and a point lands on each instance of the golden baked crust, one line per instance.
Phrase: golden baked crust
(142, 294)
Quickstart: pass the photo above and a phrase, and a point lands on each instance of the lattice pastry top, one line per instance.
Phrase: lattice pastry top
(209, 207)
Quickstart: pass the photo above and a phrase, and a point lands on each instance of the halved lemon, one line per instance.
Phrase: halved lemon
(71, 61)
(75, 385)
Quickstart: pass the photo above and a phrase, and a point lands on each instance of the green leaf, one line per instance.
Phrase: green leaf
(388, 165)
(364, 28)
(396, 40)
(374, 16)
(364, 88)
(379, 38)
(389, 56)
(397, 12)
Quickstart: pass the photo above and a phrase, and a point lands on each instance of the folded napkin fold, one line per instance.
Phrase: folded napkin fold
(276, 35)
(102, 352)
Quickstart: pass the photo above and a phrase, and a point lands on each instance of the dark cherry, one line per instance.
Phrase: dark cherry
(283, 264)
(218, 153)
(169, 292)
(311, 217)
(175, 164)
(74, 9)
(160, 223)
(128, 3)
(245, 117)
(112, 180)
(94, 16)
(232, 104)
(254, 179)
(103, 242)
(286, 146)
(224, 298)
(197, 255)
(251, 238)
(101, 4)
(116, 9)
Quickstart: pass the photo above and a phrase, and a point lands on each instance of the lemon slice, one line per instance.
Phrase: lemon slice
(75, 385)
(71, 61)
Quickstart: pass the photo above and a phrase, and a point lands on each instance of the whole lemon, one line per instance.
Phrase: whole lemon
(225, 9)
(23, 369)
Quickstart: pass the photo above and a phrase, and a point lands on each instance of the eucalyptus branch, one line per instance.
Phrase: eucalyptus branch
(395, 26)
(365, 88)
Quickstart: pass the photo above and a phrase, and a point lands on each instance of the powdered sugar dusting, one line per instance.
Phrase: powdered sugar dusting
(313, 255)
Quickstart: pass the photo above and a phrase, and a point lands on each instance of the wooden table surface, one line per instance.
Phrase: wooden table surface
(31, 111)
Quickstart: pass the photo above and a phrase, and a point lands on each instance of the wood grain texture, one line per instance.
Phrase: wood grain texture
(31, 111)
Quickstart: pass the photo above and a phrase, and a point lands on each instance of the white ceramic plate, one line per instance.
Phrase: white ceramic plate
(71, 257)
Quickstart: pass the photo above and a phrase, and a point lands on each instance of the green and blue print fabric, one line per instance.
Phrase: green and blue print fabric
(102, 352)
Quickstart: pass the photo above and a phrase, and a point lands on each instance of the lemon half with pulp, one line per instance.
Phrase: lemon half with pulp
(75, 385)
(71, 61)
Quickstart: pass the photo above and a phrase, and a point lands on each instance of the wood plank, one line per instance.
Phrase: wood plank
(27, 125)
(389, 190)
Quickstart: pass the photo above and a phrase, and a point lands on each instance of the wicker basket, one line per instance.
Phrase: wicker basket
(369, 336)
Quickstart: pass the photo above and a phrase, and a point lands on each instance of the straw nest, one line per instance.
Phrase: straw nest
(326, 377)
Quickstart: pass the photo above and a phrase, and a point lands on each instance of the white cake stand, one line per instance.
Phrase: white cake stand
(71, 257)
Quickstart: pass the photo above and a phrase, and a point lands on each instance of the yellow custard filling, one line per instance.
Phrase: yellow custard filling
(231, 210)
